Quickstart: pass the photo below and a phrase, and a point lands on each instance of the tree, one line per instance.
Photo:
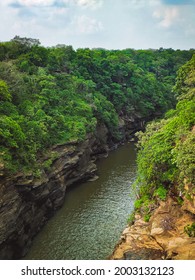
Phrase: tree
(4, 92)
(29, 42)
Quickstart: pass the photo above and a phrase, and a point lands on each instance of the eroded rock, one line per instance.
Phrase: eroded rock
(163, 237)
(26, 202)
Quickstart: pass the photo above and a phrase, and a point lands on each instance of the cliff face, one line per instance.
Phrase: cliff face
(26, 202)
(163, 237)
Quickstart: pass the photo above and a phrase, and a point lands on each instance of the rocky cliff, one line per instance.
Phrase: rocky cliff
(163, 237)
(27, 202)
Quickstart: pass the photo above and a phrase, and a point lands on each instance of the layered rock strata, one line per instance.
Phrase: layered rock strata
(27, 202)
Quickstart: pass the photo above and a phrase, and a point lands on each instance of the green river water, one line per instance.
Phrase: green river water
(94, 214)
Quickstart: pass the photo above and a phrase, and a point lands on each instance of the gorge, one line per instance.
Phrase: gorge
(94, 213)
(27, 202)
(61, 110)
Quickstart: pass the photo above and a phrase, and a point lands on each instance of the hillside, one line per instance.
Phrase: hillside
(164, 221)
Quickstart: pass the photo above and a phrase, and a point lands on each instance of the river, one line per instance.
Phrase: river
(94, 214)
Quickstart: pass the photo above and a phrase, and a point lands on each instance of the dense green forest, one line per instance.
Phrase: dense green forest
(166, 162)
(54, 95)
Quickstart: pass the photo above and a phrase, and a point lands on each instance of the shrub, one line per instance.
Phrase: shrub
(147, 217)
(190, 230)
(131, 218)
(161, 193)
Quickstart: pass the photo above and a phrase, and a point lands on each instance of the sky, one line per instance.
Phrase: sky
(110, 24)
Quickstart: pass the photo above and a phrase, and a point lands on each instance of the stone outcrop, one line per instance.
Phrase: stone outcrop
(163, 237)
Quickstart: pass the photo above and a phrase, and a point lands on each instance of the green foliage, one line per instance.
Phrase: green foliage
(54, 95)
(179, 200)
(184, 156)
(167, 148)
(142, 202)
(144, 205)
(138, 203)
(190, 230)
(47, 164)
(161, 193)
(131, 218)
(10, 132)
(4, 93)
(147, 217)
(185, 82)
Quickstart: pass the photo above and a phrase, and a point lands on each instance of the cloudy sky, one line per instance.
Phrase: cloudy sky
(111, 24)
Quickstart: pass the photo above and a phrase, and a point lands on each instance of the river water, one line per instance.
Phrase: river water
(94, 214)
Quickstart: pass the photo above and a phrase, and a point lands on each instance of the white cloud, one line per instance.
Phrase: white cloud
(30, 3)
(167, 15)
(5, 2)
(87, 25)
(94, 4)
(143, 3)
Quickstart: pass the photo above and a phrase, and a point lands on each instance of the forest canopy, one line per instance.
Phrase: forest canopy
(54, 95)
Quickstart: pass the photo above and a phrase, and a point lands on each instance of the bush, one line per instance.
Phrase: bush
(147, 217)
(161, 193)
(131, 218)
(190, 230)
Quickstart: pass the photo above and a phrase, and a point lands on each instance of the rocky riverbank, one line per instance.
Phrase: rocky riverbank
(27, 201)
(163, 237)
